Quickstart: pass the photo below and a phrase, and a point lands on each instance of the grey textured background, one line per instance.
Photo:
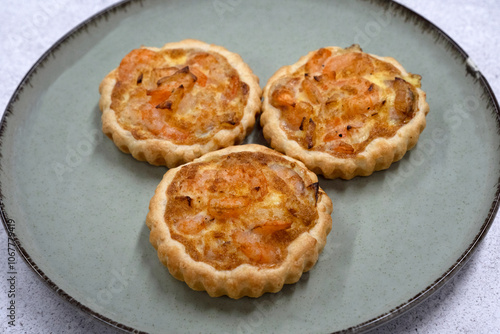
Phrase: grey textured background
(469, 303)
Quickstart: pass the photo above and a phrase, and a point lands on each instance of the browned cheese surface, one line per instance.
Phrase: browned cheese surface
(246, 207)
(339, 102)
(185, 96)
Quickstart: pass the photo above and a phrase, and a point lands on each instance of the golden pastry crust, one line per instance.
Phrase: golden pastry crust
(170, 105)
(344, 112)
(241, 221)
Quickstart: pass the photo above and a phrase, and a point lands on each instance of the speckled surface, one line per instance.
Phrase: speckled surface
(467, 304)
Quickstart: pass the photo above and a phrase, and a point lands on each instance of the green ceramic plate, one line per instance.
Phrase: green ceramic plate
(79, 203)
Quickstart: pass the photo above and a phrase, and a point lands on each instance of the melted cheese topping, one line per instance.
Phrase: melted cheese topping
(339, 102)
(182, 95)
(245, 207)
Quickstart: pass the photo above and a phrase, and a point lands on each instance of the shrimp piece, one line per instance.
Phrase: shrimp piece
(173, 100)
(364, 96)
(192, 225)
(227, 207)
(206, 63)
(336, 130)
(261, 253)
(383, 66)
(295, 116)
(174, 133)
(229, 203)
(283, 97)
(317, 61)
(254, 249)
(290, 177)
(183, 77)
(158, 96)
(342, 148)
(240, 181)
(350, 64)
(205, 60)
(311, 91)
(270, 227)
(233, 88)
(334, 135)
(202, 78)
(134, 63)
(158, 73)
(171, 89)
(403, 101)
(154, 117)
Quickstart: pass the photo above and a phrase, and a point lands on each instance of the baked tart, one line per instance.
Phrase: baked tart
(241, 221)
(344, 112)
(172, 104)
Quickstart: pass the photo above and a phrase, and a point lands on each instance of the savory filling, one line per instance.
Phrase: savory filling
(185, 96)
(339, 102)
(242, 208)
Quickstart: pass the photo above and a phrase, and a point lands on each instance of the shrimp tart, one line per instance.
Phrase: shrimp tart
(344, 112)
(172, 104)
(241, 221)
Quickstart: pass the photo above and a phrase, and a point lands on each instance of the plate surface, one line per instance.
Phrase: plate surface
(80, 204)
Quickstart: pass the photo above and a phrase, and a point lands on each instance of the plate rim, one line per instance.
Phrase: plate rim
(362, 327)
